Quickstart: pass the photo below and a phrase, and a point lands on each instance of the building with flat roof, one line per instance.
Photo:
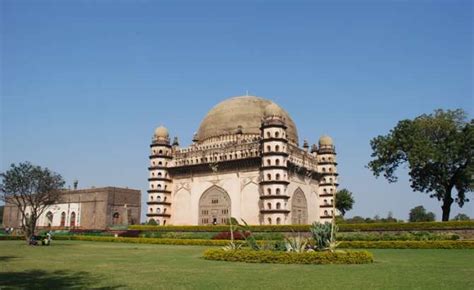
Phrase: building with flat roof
(94, 208)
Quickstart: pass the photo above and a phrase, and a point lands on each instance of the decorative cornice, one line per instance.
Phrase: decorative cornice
(157, 167)
(223, 166)
(160, 156)
(158, 214)
(328, 183)
(159, 179)
(274, 211)
(326, 206)
(160, 145)
(329, 174)
(275, 153)
(327, 151)
(158, 191)
(327, 163)
(159, 202)
(274, 197)
(265, 167)
(273, 124)
(274, 182)
(269, 139)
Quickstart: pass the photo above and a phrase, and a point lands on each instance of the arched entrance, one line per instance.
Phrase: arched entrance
(73, 219)
(63, 219)
(49, 219)
(214, 207)
(299, 208)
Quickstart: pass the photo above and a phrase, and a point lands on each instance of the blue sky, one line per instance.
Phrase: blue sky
(84, 83)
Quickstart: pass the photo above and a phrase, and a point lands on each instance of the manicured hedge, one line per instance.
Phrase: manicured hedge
(397, 236)
(274, 257)
(452, 225)
(189, 242)
(466, 244)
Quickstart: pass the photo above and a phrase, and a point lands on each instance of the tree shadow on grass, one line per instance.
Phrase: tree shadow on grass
(6, 258)
(39, 279)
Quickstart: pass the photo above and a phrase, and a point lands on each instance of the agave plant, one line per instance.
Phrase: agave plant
(296, 244)
(324, 236)
(232, 246)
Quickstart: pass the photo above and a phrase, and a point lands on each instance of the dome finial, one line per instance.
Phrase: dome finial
(272, 110)
(325, 140)
(161, 132)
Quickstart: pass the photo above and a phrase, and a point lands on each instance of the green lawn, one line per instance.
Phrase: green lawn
(69, 264)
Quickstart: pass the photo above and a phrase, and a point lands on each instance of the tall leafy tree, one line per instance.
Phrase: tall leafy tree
(438, 149)
(32, 189)
(419, 214)
(344, 201)
(461, 217)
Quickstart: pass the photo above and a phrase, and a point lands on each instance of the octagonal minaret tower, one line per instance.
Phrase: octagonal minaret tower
(274, 170)
(326, 156)
(159, 191)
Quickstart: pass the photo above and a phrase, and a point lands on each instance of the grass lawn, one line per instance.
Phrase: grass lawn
(78, 264)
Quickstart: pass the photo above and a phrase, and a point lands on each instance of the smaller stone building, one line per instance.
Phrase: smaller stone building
(94, 208)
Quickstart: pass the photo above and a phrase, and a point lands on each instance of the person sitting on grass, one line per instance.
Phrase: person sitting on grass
(33, 241)
(47, 239)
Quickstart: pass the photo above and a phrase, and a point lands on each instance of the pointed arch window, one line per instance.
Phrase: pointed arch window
(73, 220)
(63, 219)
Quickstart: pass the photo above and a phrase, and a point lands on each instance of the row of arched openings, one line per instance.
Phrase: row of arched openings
(62, 223)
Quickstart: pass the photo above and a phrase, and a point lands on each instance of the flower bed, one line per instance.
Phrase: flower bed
(279, 257)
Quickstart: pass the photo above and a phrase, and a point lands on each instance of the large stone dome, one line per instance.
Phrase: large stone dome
(244, 112)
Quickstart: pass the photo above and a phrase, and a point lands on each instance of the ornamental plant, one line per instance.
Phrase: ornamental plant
(324, 236)
(296, 244)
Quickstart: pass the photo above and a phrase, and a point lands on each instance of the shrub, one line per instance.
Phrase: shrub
(404, 236)
(305, 228)
(189, 242)
(85, 232)
(130, 233)
(407, 245)
(238, 235)
(250, 256)
(178, 235)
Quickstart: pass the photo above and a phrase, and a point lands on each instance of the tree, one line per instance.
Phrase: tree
(32, 189)
(152, 222)
(438, 150)
(461, 217)
(344, 201)
(419, 214)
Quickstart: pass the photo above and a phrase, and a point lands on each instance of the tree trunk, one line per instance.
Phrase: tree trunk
(30, 227)
(446, 207)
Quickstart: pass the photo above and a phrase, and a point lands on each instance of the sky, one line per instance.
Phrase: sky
(84, 83)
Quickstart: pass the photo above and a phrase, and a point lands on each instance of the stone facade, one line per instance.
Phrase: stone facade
(245, 162)
(95, 208)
